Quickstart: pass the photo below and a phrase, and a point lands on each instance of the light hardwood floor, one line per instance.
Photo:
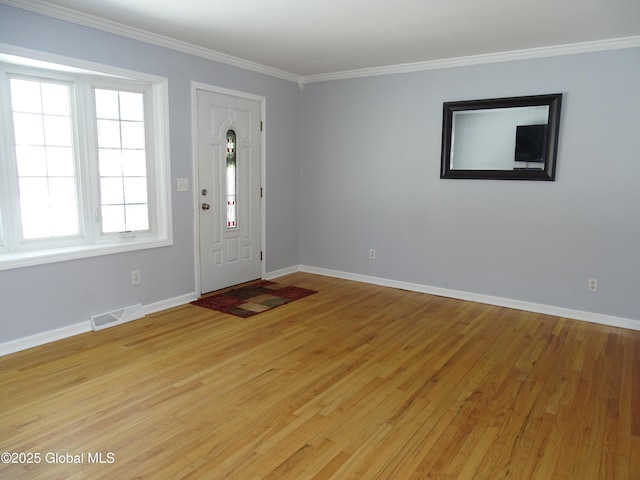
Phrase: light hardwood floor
(354, 382)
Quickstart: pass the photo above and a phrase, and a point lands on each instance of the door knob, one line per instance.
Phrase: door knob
(205, 206)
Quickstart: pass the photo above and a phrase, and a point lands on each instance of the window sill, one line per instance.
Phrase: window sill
(10, 261)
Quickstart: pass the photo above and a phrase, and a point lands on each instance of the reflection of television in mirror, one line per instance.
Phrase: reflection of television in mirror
(530, 143)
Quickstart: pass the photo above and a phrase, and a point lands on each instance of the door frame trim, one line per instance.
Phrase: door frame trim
(195, 86)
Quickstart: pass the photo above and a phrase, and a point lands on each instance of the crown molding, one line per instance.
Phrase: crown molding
(62, 13)
(87, 20)
(557, 50)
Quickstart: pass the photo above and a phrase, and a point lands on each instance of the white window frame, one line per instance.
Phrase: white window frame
(91, 242)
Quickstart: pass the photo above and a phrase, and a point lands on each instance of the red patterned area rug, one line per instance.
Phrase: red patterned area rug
(253, 299)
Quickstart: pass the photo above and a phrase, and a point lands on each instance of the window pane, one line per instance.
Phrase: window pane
(60, 162)
(110, 162)
(65, 221)
(57, 130)
(47, 222)
(45, 203)
(131, 106)
(36, 223)
(45, 159)
(112, 219)
(123, 160)
(25, 96)
(62, 192)
(107, 104)
(28, 129)
(133, 135)
(55, 99)
(34, 193)
(134, 163)
(111, 191)
(135, 190)
(108, 134)
(137, 217)
(32, 161)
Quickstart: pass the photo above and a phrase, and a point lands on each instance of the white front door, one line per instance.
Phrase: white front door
(228, 143)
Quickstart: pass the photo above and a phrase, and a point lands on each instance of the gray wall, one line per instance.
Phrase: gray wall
(370, 153)
(354, 164)
(47, 297)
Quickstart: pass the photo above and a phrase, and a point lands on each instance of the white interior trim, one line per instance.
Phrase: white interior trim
(86, 20)
(169, 303)
(73, 16)
(282, 272)
(42, 338)
(38, 339)
(557, 50)
(161, 234)
(77, 65)
(610, 320)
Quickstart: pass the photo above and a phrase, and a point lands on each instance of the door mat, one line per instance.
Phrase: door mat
(253, 299)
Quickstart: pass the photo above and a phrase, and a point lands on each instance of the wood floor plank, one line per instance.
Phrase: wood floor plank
(355, 382)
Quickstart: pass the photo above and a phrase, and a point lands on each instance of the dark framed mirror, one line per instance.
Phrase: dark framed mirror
(513, 138)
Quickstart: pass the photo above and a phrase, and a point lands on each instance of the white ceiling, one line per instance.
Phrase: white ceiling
(311, 37)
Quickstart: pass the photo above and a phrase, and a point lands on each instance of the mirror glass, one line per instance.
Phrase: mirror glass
(507, 138)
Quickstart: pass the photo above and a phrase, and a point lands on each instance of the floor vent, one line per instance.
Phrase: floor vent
(116, 317)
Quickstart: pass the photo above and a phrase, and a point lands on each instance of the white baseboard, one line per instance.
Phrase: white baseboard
(38, 339)
(281, 273)
(170, 303)
(24, 343)
(600, 318)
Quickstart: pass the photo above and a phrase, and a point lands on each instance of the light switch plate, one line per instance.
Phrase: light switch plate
(183, 184)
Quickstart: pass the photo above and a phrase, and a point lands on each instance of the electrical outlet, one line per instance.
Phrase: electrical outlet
(593, 285)
(136, 278)
(372, 254)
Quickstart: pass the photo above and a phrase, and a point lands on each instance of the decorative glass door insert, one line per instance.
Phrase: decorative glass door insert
(231, 179)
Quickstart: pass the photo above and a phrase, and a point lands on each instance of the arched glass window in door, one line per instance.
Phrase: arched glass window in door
(231, 179)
